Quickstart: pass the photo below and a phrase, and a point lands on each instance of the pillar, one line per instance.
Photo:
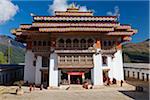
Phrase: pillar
(83, 77)
(97, 75)
(29, 69)
(53, 71)
(37, 70)
(118, 66)
(69, 78)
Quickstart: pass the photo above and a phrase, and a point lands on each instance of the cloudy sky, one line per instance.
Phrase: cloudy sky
(16, 12)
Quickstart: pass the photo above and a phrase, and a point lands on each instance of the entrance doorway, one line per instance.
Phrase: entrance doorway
(75, 79)
(44, 79)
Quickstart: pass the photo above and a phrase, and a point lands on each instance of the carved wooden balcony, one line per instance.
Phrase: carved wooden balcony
(41, 49)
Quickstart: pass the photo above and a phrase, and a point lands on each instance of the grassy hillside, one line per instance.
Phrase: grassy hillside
(136, 52)
(17, 50)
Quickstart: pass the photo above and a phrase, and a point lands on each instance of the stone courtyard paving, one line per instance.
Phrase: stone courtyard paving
(113, 92)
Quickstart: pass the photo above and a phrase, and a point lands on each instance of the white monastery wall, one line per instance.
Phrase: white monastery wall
(118, 66)
(97, 75)
(38, 72)
(53, 71)
(132, 69)
(29, 69)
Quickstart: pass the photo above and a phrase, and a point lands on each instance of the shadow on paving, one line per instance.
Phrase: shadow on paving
(136, 95)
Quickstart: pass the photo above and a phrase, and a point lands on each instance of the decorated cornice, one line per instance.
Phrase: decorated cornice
(120, 33)
(25, 26)
(93, 18)
(75, 29)
(123, 27)
(74, 25)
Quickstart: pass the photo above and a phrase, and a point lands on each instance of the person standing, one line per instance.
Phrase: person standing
(121, 83)
(30, 88)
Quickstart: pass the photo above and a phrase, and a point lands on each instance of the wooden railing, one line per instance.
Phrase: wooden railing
(41, 49)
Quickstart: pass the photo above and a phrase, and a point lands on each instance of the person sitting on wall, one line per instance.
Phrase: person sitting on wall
(85, 85)
(41, 87)
(108, 81)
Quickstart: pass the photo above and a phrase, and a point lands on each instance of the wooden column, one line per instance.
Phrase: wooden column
(83, 77)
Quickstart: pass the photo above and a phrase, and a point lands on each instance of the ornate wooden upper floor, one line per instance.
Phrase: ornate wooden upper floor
(74, 21)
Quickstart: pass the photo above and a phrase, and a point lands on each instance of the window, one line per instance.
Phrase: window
(109, 43)
(62, 59)
(113, 42)
(49, 43)
(61, 43)
(75, 43)
(104, 60)
(105, 43)
(34, 63)
(90, 43)
(68, 43)
(138, 74)
(83, 43)
(34, 43)
(82, 59)
(44, 43)
(39, 43)
(76, 59)
(89, 59)
(45, 62)
(69, 59)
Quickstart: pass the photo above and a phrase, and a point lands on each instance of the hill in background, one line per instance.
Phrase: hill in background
(16, 49)
(136, 52)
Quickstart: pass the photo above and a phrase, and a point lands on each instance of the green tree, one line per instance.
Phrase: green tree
(2, 58)
(8, 54)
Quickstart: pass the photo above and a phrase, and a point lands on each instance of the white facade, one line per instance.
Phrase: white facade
(118, 66)
(33, 74)
(138, 71)
(53, 71)
(37, 70)
(97, 75)
(29, 69)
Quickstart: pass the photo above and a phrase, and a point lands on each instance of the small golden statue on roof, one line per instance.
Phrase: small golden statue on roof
(73, 5)
(72, 8)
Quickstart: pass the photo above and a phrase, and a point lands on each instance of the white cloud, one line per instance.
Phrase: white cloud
(62, 5)
(7, 10)
(83, 8)
(115, 13)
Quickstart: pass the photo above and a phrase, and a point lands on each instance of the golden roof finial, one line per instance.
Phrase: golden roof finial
(73, 5)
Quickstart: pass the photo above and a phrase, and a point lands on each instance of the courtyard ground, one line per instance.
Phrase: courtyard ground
(113, 92)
